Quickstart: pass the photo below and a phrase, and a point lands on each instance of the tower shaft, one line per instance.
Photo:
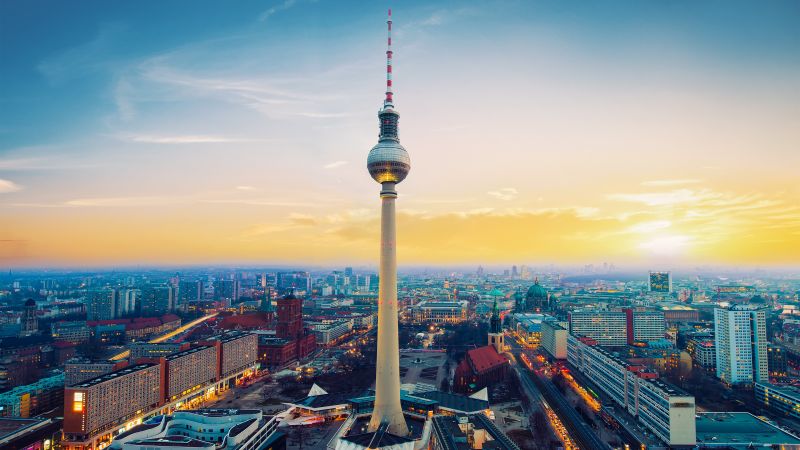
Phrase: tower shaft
(387, 407)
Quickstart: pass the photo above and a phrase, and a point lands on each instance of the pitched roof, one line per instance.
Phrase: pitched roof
(485, 358)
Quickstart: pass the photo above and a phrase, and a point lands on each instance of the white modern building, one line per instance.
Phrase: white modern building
(648, 326)
(664, 409)
(203, 429)
(608, 328)
(554, 339)
(740, 338)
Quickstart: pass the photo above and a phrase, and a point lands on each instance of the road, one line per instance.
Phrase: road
(542, 389)
(168, 335)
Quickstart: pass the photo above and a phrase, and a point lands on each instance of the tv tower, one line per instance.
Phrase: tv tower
(388, 164)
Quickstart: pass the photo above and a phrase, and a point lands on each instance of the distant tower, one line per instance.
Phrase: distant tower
(266, 304)
(388, 164)
(30, 323)
(496, 330)
(290, 317)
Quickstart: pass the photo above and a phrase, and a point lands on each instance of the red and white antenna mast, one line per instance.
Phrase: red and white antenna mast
(388, 100)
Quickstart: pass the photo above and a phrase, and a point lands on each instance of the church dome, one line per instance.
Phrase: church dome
(536, 291)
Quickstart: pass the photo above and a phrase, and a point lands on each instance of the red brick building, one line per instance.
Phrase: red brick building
(480, 367)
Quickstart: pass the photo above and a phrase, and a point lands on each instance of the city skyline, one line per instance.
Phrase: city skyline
(640, 134)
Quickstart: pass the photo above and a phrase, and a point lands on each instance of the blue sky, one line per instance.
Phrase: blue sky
(260, 114)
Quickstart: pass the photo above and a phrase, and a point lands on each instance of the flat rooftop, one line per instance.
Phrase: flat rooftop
(187, 352)
(113, 375)
(739, 429)
(10, 426)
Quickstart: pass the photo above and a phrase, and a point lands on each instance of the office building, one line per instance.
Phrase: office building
(440, 312)
(783, 400)
(644, 326)
(618, 328)
(703, 353)
(190, 370)
(104, 403)
(660, 282)
(157, 300)
(777, 364)
(33, 399)
(75, 332)
(330, 332)
(127, 302)
(609, 328)
(78, 370)
(100, 408)
(293, 283)
(29, 321)
(189, 291)
(239, 351)
(664, 409)
(554, 339)
(154, 350)
(101, 304)
(740, 338)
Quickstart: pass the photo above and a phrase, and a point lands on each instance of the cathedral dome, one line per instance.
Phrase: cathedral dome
(536, 291)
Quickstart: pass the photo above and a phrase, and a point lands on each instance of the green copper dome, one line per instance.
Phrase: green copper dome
(536, 291)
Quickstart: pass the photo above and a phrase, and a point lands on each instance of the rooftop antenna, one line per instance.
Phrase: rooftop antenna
(388, 101)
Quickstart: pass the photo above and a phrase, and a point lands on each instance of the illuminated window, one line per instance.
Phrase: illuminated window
(77, 402)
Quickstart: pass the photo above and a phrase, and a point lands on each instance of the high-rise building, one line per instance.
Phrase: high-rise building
(293, 282)
(644, 326)
(660, 282)
(30, 323)
(609, 328)
(190, 291)
(777, 362)
(618, 328)
(97, 403)
(740, 336)
(127, 301)
(664, 409)
(554, 339)
(102, 304)
(227, 289)
(157, 300)
(388, 164)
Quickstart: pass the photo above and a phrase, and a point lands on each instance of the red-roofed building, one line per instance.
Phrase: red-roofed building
(248, 321)
(480, 367)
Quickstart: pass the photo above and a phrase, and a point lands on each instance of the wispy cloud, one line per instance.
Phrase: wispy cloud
(678, 196)
(677, 182)
(334, 165)
(7, 186)
(181, 139)
(245, 188)
(85, 58)
(505, 194)
(286, 4)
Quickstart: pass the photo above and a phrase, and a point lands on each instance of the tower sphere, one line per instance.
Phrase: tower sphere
(388, 161)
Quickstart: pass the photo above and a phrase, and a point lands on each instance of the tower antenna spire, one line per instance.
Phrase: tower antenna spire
(388, 100)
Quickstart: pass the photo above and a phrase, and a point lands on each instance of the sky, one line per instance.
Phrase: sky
(190, 132)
